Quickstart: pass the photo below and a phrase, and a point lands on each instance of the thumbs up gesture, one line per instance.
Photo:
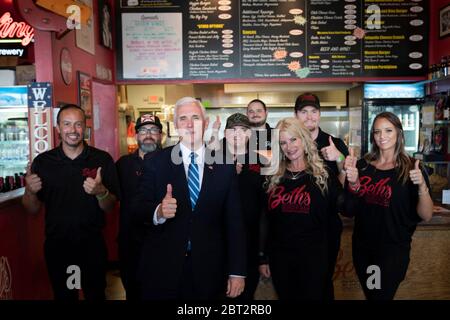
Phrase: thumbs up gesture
(216, 124)
(330, 153)
(416, 175)
(239, 167)
(350, 167)
(32, 181)
(95, 186)
(168, 206)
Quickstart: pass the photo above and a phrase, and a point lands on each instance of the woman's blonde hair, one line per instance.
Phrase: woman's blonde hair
(314, 164)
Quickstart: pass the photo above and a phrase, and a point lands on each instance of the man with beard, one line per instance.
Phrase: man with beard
(129, 168)
(257, 115)
(333, 151)
(78, 184)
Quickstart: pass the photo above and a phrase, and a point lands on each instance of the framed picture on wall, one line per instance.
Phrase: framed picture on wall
(105, 28)
(87, 135)
(85, 92)
(85, 37)
(444, 21)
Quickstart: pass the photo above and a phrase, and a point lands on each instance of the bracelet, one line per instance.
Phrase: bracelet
(340, 158)
(354, 187)
(104, 196)
(422, 193)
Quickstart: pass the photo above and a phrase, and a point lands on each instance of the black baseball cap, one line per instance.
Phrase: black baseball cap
(148, 119)
(307, 99)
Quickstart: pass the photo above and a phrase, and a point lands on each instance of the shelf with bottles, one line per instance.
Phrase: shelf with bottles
(8, 142)
(442, 78)
(439, 71)
(12, 182)
(14, 162)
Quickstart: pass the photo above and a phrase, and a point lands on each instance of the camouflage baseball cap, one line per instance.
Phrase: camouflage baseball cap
(237, 119)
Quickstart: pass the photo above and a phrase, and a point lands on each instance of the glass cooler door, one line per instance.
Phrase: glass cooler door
(14, 147)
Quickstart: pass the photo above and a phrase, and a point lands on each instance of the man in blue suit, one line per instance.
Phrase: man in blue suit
(195, 246)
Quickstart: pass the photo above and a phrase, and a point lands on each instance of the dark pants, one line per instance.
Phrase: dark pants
(89, 255)
(334, 244)
(299, 274)
(129, 255)
(393, 262)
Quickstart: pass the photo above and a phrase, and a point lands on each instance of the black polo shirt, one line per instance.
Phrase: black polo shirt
(322, 141)
(129, 170)
(71, 213)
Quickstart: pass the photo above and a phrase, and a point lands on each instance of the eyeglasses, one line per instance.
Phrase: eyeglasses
(145, 131)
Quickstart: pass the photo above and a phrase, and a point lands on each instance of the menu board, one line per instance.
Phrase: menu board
(271, 39)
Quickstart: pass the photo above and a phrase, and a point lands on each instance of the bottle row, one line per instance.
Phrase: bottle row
(13, 132)
(439, 70)
(408, 119)
(14, 152)
(10, 183)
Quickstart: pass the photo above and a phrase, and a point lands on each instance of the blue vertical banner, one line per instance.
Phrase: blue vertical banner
(40, 96)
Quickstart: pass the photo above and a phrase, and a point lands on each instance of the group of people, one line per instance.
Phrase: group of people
(201, 221)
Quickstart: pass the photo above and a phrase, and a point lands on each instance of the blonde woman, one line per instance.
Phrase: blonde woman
(302, 200)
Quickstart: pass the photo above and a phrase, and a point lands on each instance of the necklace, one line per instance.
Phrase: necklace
(296, 175)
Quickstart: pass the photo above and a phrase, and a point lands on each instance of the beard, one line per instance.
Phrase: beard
(147, 147)
(258, 124)
(70, 143)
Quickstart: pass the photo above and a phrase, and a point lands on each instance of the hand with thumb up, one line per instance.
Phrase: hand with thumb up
(330, 153)
(168, 206)
(95, 186)
(416, 175)
(350, 168)
(32, 181)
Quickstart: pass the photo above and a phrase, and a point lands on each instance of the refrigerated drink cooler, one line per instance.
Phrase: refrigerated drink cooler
(14, 137)
(404, 100)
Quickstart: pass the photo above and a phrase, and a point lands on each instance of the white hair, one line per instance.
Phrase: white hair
(187, 100)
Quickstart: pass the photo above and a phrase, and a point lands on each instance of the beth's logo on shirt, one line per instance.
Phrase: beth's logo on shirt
(379, 192)
(296, 201)
(89, 172)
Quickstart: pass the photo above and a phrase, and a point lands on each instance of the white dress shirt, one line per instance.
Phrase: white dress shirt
(186, 155)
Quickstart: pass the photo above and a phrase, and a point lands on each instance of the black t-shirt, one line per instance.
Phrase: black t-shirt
(384, 209)
(251, 191)
(71, 213)
(298, 213)
(322, 141)
(129, 170)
